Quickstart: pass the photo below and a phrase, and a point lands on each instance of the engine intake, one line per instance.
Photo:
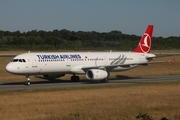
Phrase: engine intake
(96, 74)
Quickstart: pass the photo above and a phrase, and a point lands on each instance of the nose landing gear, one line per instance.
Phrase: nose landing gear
(27, 80)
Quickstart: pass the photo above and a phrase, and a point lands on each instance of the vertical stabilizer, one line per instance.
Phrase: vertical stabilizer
(144, 45)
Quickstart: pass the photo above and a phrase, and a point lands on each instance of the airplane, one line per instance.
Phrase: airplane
(95, 65)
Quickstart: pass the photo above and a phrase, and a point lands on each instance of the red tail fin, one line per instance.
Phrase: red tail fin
(144, 45)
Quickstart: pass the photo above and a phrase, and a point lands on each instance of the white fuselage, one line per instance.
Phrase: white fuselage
(73, 63)
(96, 65)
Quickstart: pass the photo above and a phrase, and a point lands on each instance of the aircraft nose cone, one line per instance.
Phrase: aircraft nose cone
(9, 68)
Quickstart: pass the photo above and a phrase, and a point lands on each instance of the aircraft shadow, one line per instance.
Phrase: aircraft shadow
(82, 81)
(117, 78)
(38, 82)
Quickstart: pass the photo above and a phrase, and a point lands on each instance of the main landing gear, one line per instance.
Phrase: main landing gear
(74, 78)
(106, 80)
(27, 80)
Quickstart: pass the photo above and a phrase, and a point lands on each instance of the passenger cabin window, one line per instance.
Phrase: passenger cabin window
(23, 60)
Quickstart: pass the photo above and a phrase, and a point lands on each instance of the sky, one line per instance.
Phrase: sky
(127, 16)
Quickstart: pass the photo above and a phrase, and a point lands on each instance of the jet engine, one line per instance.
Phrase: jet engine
(96, 74)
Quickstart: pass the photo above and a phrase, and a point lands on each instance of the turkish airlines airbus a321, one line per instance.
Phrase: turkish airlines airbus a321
(96, 65)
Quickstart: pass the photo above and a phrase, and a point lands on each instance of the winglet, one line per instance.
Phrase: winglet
(144, 45)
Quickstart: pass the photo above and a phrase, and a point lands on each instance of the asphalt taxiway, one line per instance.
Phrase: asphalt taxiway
(10, 86)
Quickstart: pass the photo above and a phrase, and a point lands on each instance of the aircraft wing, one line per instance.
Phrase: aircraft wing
(110, 67)
(172, 61)
(166, 54)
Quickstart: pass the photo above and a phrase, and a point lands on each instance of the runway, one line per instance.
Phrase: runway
(10, 86)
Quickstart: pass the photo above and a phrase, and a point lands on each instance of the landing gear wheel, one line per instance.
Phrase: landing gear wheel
(27, 83)
(104, 80)
(75, 78)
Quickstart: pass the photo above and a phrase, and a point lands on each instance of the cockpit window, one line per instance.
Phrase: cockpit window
(18, 60)
(15, 60)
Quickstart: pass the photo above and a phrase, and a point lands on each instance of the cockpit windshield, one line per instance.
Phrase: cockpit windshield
(18, 60)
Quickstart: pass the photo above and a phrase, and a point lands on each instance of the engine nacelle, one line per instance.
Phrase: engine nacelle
(52, 76)
(96, 74)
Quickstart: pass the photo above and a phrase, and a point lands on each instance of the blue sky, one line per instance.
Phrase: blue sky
(127, 16)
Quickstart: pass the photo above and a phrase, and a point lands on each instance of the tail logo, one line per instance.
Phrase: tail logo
(145, 43)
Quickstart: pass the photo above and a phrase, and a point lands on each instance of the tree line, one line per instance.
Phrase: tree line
(80, 40)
